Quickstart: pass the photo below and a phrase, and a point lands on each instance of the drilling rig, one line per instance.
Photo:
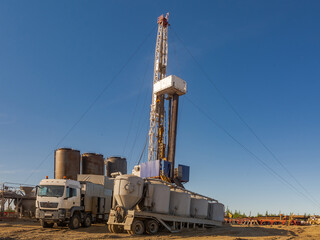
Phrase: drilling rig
(164, 116)
(153, 197)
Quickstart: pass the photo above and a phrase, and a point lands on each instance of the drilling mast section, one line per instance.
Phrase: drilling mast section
(157, 144)
(164, 117)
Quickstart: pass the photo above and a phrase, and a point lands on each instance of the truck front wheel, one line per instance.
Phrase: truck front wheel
(44, 224)
(74, 222)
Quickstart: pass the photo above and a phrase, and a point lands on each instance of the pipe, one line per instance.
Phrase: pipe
(169, 126)
(173, 133)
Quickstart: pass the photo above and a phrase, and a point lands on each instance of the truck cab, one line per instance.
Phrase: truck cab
(59, 201)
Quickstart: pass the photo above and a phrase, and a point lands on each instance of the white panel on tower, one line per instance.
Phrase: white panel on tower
(170, 85)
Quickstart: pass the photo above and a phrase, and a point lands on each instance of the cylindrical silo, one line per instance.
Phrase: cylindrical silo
(180, 203)
(116, 164)
(92, 163)
(157, 197)
(216, 211)
(66, 163)
(198, 207)
(128, 190)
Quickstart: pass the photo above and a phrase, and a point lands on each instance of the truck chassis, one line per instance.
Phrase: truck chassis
(138, 222)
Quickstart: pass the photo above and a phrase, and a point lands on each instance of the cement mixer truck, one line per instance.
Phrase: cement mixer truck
(148, 205)
(74, 203)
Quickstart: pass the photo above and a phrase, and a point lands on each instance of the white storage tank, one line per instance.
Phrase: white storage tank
(198, 207)
(128, 190)
(158, 197)
(179, 203)
(216, 212)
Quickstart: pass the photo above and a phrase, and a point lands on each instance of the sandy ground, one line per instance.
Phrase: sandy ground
(32, 230)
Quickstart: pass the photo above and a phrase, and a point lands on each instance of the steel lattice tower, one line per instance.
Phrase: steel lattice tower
(157, 138)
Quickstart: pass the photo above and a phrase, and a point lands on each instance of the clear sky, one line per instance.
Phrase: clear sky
(57, 56)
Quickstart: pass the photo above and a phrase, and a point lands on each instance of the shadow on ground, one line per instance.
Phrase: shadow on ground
(236, 232)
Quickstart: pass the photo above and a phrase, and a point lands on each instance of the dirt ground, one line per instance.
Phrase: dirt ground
(32, 230)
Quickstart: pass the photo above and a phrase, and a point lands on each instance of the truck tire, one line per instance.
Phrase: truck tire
(74, 222)
(137, 227)
(44, 224)
(152, 227)
(87, 221)
(116, 228)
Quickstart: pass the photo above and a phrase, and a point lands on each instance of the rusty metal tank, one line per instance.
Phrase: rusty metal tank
(116, 164)
(66, 163)
(92, 163)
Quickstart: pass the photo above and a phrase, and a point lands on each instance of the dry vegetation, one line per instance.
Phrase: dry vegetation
(31, 230)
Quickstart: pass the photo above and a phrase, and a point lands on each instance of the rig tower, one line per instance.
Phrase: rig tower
(163, 119)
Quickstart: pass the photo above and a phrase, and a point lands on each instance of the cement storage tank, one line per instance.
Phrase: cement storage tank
(66, 163)
(158, 197)
(179, 203)
(128, 190)
(92, 163)
(216, 211)
(116, 164)
(26, 205)
(198, 207)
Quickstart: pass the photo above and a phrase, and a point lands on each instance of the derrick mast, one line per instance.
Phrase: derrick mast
(163, 117)
(157, 132)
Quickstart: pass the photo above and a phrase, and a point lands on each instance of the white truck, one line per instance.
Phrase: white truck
(74, 203)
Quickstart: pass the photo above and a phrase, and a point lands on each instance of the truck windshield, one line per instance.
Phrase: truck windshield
(50, 191)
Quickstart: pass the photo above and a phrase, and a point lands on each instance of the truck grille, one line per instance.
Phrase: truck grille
(48, 204)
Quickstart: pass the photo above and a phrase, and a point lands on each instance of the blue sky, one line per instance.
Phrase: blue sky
(57, 56)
